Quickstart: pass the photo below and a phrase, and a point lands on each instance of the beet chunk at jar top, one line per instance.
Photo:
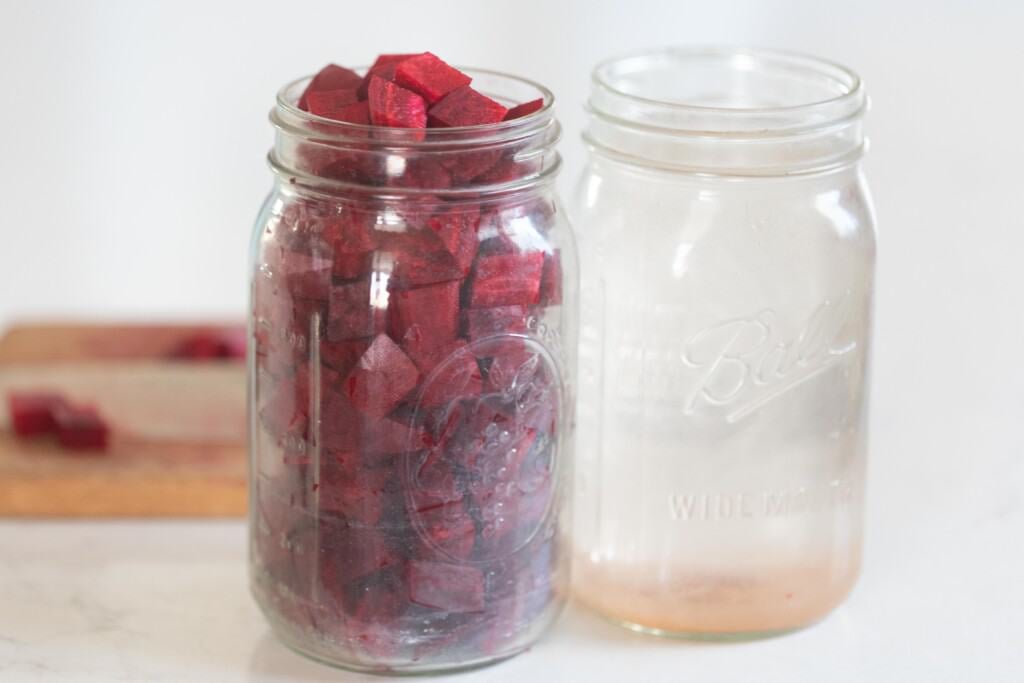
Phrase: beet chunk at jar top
(429, 77)
(384, 67)
(465, 107)
(329, 103)
(331, 77)
(394, 106)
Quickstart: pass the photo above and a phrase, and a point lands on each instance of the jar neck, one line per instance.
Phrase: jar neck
(727, 111)
(338, 157)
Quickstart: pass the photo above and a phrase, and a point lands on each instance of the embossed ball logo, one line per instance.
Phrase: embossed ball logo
(484, 486)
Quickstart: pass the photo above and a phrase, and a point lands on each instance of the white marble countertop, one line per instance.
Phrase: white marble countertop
(168, 601)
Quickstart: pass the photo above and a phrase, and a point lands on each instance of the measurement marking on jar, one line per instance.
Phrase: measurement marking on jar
(774, 503)
(745, 363)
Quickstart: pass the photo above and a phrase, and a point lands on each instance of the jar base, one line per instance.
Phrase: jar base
(390, 672)
(305, 640)
(706, 606)
(707, 636)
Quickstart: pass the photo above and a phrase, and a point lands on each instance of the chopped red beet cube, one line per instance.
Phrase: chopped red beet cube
(422, 173)
(551, 279)
(453, 588)
(485, 322)
(80, 428)
(524, 109)
(507, 279)
(306, 275)
(386, 437)
(429, 76)
(357, 112)
(352, 166)
(427, 353)
(435, 480)
(509, 168)
(433, 310)
(345, 429)
(449, 528)
(360, 497)
(457, 229)
(413, 269)
(331, 77)
(354, 311)
(466, 165)
(352, 240)
(349, 553)
(285, 407)
(33, 413)
(513, 363)
(328, 103)
(342, 355)
(381, 378)
(384, 67)
(457, 377)
(393, 106)
(465, 107)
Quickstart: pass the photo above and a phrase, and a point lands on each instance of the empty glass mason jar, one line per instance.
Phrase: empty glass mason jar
(727, 251)
(413, 332)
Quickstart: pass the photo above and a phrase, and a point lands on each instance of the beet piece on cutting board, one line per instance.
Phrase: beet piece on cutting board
(381, 378)
(80, 428)
(429, 76)
(465, 107)
(33, 413)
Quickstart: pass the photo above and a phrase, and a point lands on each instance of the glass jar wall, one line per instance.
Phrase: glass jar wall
(727, 253)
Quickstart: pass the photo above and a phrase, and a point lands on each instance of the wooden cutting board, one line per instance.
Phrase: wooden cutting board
(177, 444)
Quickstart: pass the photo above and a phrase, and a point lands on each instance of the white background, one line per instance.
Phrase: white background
(132, 138)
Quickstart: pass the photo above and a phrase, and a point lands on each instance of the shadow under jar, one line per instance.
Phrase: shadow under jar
(727, 252)
(412, 333)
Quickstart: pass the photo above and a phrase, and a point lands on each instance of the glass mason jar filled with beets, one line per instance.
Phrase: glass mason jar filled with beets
(412, 333)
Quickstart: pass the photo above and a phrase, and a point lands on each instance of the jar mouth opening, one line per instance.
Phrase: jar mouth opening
(513, 90)
(726, 89)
